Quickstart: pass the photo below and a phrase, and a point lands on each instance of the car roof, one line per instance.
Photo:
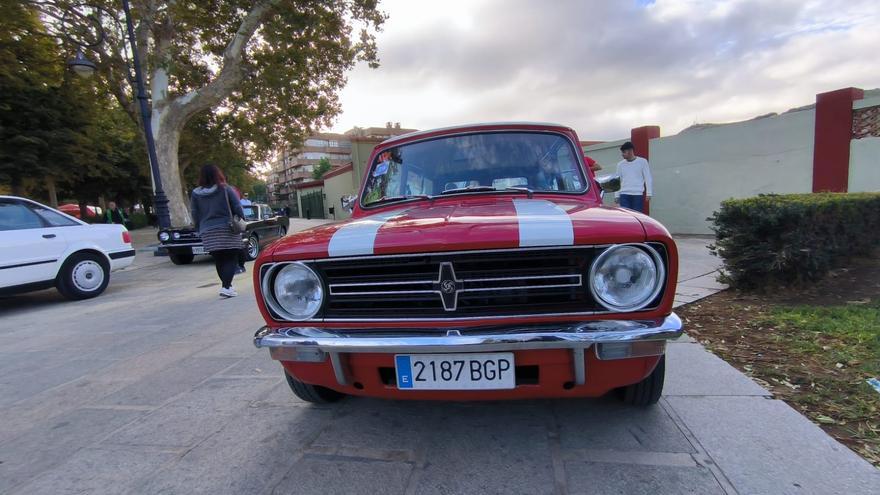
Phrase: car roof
(472, 126)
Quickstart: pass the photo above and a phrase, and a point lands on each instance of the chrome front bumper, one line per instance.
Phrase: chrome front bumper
(311, 344)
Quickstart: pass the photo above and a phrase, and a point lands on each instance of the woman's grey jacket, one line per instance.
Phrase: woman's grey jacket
(209, 210)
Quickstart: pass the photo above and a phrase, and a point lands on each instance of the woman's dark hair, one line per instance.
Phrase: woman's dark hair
(211, 175)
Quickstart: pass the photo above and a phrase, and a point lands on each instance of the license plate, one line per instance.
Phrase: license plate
(198, 250)
(455, 371)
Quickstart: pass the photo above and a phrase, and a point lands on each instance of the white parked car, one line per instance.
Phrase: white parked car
(41, 247)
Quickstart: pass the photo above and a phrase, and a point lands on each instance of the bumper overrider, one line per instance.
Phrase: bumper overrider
(611, 339)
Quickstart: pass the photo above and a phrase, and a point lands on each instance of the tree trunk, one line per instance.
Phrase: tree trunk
(53, 193)
(167, 136)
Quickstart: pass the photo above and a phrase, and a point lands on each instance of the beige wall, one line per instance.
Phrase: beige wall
(360, 154)
(335, 188)
(864, 165)
(698, 168)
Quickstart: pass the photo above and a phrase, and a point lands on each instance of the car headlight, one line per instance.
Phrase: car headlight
(627, 277)
(164, 236)
(176, 235)
(295, 293)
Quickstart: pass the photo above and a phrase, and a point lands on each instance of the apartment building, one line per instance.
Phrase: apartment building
(291, 183)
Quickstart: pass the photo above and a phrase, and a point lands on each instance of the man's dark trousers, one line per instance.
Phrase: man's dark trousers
(633, 202)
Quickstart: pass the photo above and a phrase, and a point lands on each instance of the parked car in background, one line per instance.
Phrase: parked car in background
(264, 227)
(41, 247)
(479, 263)
(72, 209)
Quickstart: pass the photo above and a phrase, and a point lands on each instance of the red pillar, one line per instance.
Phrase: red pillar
(833, 135)
(640, 136)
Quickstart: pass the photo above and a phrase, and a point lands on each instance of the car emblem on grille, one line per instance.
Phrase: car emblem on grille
(448, 286)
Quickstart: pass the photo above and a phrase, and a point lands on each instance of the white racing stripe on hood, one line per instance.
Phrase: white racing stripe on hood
(543, 223)
(359, 237)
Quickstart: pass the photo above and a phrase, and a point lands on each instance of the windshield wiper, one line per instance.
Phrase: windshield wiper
(524, 189)
(468, 189)
(488, 189)
(388, 199)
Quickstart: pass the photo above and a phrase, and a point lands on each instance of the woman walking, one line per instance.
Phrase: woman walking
(213, 203)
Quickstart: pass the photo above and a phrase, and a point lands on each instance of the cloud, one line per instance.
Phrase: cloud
(605, 67)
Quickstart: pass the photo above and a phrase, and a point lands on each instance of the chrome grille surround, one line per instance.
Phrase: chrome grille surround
(419, 278)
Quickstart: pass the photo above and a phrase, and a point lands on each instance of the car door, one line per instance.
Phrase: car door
(270, 221)
(29, 248)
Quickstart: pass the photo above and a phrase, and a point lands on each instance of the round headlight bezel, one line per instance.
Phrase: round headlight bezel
(175, 236)
(268, 286)
(164, 236)
(659, 282)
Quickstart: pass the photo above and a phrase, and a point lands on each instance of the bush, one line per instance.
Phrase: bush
(792, 238)
(137, 221)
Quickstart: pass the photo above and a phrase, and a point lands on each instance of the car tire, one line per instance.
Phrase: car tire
(647, 391)
(253, 248)
(83, 276)
(181, 259)
(312, 393)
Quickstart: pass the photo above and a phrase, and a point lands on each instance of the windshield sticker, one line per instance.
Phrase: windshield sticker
(381, 169)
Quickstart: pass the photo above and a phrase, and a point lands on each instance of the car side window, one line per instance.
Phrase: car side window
(16, 216)
(54, 219)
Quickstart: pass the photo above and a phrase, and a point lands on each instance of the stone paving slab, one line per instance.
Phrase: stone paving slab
(692, 370)
(624, 479)
(98, 471)
(48, 443)
(765, 446)
(607, 423)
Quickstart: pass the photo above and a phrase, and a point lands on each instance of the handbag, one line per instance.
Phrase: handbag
(236, 224)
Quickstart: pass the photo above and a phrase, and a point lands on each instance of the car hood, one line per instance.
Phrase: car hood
(464, 224)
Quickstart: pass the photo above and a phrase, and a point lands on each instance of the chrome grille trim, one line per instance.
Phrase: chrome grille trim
(450, 317)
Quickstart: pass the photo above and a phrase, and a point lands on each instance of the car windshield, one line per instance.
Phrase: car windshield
(475, 163)
(251, 212)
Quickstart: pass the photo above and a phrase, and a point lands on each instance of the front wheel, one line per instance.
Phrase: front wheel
(647, 391)
(312, 393)
(253, 248)
(83, 276)
(181, 259)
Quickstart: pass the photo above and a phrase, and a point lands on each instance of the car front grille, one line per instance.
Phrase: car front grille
(458, 285)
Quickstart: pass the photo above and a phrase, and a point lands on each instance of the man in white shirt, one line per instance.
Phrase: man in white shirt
(635, 178)
(245, 200)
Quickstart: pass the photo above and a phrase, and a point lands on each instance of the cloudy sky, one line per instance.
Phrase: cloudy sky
(603, 67)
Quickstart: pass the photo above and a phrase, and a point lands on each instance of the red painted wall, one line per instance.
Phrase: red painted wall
(832, 138)
(640, 136)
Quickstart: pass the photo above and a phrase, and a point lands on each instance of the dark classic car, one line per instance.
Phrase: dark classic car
(479, 263)
(263, 228)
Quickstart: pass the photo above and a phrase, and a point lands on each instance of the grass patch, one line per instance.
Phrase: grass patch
(836, 350)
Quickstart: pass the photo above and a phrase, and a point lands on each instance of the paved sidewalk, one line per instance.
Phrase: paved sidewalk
(155, 387)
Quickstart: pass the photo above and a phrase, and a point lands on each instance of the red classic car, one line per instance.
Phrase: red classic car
(479, 263)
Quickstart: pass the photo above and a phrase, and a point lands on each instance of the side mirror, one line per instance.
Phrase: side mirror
(608, 183)
(348, 202)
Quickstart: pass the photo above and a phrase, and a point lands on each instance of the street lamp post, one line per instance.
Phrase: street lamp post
(84, 67)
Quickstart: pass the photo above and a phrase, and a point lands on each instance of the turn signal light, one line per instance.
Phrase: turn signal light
(126, 237)
(626, 350)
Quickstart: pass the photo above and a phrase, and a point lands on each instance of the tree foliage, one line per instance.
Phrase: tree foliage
(275, 66)
(321, 168)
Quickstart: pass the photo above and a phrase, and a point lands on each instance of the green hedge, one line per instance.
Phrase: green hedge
(137, 221)
(792, 238)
